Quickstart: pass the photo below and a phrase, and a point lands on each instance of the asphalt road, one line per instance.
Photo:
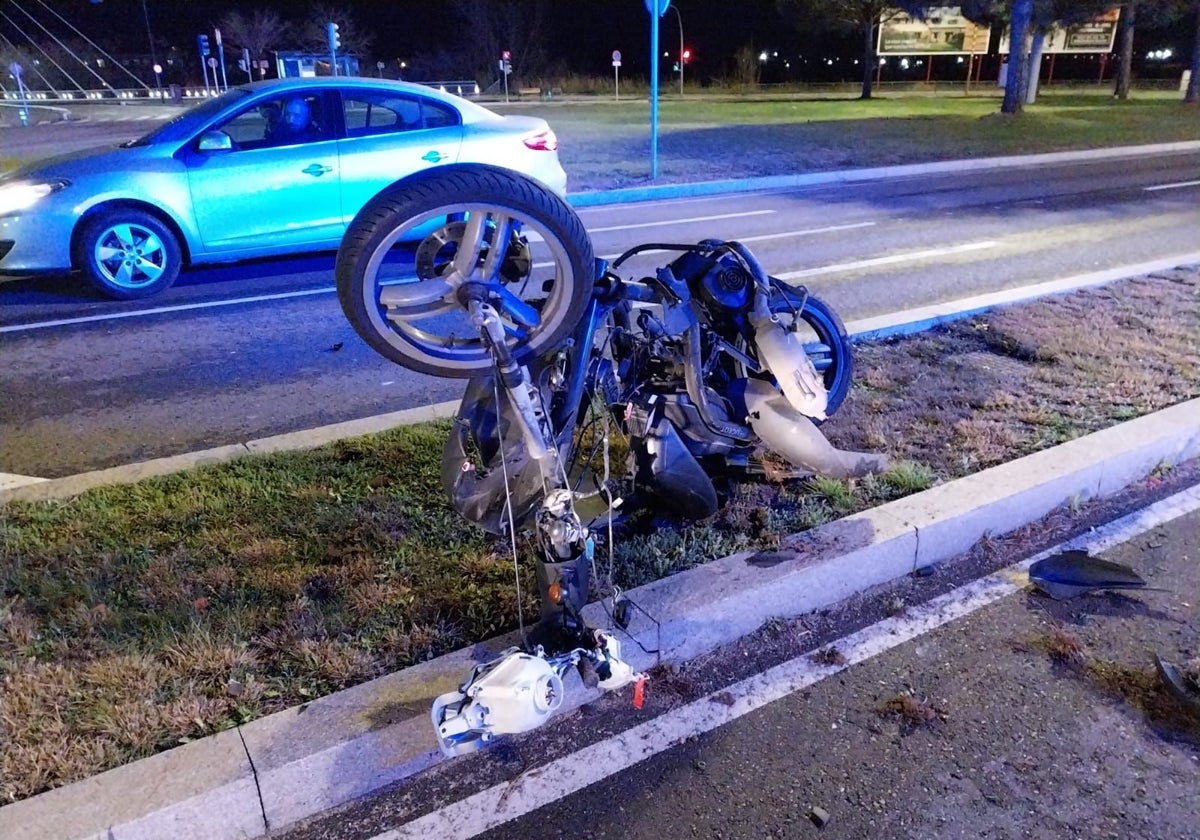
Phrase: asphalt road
(233, 353)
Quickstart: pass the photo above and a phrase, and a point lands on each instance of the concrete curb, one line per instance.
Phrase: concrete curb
(305, 760)
(73, 485)
(781, 182)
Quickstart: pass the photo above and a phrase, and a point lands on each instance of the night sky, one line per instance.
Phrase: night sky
(581, 34)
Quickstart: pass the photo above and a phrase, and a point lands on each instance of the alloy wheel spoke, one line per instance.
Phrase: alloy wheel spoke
(426, 293)
(501, 234)
(150, 269)
(107, 253)
(469, 249)
(123, 235)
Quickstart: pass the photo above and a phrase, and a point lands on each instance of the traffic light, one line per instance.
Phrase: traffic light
(335, 38)
(687, 56)
(202, 40)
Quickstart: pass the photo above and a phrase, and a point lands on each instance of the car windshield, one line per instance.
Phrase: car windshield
(184, 125)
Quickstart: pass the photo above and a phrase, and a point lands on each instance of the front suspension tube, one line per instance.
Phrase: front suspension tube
(565, 549)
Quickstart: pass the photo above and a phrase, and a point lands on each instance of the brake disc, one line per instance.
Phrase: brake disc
(436, 253)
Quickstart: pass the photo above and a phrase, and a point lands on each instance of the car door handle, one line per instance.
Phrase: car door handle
(316, 170)
(433, 156)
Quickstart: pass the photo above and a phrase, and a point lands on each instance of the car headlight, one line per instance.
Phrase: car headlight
(21, 195)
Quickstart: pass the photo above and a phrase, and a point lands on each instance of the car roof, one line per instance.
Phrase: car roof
(470, 111)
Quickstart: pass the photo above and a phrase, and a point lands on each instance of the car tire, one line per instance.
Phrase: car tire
(127, 253)
(446, 193)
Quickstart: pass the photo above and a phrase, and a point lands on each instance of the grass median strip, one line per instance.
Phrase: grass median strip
(137, 617)
(703, 138)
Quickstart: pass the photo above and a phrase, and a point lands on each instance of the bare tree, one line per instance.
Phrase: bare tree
(259, 33)
(1147, 13)
(1192, 95)
(746, 65)
(1028, 22)
(313, 35)
(495, 26)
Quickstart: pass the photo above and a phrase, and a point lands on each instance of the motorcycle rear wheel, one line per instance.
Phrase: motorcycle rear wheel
(412, 246)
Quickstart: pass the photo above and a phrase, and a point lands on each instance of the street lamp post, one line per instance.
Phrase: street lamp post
(150, 38)
(679, 18)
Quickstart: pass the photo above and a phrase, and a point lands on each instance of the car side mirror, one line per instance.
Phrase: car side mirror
(215, 141)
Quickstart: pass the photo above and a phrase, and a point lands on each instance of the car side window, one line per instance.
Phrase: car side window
(284, 121)
(369, 113)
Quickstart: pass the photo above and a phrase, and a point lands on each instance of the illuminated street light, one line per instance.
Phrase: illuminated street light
(682, 57)
(150, 38)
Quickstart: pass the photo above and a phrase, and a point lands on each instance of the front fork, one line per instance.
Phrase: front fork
(521, 689)
(564, 545)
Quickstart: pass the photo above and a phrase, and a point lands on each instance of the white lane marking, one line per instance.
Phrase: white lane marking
(158, 310)
(539, 786)
(1172, 186)
(808, 232)
(714, 198)
(785, 235)
(692, 220)
(894, 258)
(953, 308)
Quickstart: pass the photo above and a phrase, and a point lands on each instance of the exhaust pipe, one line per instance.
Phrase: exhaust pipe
(786, 431)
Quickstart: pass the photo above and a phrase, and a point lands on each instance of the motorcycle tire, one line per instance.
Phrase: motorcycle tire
(394, 293)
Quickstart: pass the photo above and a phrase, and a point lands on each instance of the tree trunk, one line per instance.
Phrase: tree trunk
(868, 58)
(1022, 12)
(1125, 50)
(1193, 89)
(1034, 67)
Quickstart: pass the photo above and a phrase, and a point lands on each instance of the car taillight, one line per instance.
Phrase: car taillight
(543, 141)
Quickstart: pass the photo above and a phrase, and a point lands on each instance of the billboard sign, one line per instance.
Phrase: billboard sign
(1097, 35)
(944, 31)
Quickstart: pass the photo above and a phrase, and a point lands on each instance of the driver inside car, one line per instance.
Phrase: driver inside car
(295, 125)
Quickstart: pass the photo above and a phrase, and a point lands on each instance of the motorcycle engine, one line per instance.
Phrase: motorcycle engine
(722, 283)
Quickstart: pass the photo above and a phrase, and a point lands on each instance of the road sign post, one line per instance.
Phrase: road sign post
(334, 35)
(616, 59)
(656, 8)
(202, 45)
(220, 60)
(16, 69)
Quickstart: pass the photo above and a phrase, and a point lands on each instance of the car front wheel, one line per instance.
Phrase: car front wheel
(128, 253)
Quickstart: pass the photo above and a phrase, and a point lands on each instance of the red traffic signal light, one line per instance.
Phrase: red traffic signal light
(687, 55)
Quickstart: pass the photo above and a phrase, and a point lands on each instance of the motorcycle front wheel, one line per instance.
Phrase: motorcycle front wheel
(411, 249)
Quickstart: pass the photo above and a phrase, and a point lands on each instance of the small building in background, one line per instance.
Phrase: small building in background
(303, 65)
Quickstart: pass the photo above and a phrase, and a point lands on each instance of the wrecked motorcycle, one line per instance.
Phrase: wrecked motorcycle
(704, 364)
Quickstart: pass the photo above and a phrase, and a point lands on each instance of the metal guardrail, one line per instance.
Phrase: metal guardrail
(459, 87)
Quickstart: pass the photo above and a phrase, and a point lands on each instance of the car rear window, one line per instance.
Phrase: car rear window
(370, 113)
